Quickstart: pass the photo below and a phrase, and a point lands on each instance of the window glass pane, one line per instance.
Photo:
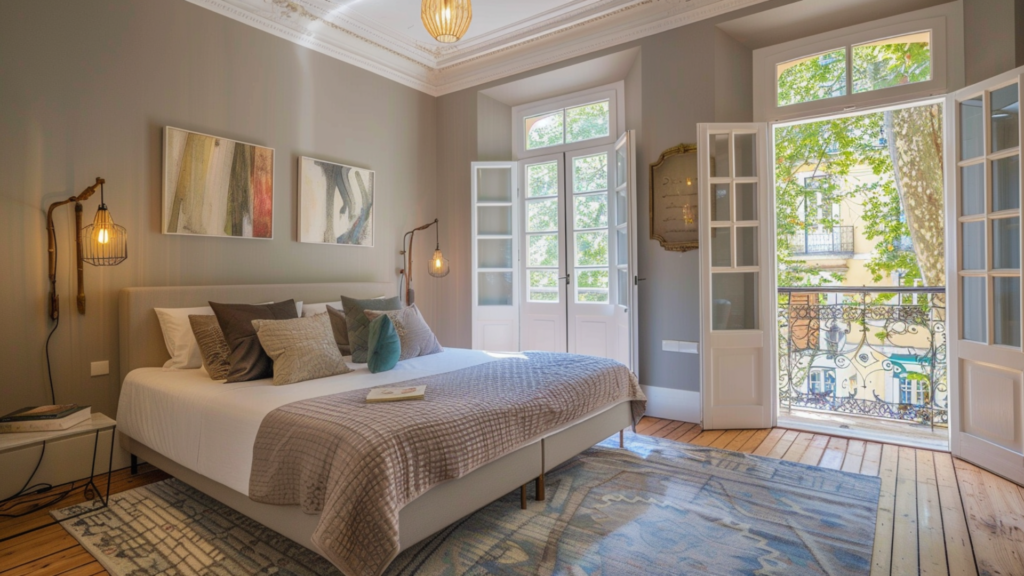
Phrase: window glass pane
(1006, 312)
(623, 288)
(1005, 117)
(746, 246)
(973, 300)
(734, 301)
(590, 173)
(495, 288)
(494, 220)
(973, 238)
(542, 180)
(720, 202)
(592, 285)
(542, 215)
(494, 184)
(493, 253)
(719, 146)
(592, 248)
(543, 130)
(720, 247)
(746, 201)
(620, 167)
(1006, 183)
(543, 250)
(586, 122)
(590, 211)
(892, 62)
(972, 126)
(1006, 243)
(746, 160)
(812, 78)
(972, 183)
(543, 286)
(621, 248)
(620, 207)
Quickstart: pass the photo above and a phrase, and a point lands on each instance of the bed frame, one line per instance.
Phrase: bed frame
(142, 345)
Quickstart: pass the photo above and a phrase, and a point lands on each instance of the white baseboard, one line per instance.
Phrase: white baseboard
(682, 405)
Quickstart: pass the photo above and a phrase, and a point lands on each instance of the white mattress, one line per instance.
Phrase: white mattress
(210, 427)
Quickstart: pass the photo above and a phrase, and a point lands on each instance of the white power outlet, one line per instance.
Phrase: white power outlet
(101, 368)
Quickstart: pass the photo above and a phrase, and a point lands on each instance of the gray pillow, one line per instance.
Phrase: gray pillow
(359, 324)
(247, 358)
(340, 328)
(414, 333)
(212, 345)
(302, 349)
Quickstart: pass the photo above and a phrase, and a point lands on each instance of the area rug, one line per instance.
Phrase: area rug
(658, 507)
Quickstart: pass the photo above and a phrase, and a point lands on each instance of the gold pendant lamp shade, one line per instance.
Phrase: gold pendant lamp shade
(103, 242)
(446, 20)
(438, 264)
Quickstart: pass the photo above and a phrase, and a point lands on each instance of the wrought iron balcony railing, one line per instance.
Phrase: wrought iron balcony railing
(839, 240)
(878, 352)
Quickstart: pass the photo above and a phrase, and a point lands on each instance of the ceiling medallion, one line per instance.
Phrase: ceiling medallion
(446, 20)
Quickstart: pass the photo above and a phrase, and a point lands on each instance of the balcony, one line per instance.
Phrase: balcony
(836, 242)
(875, 353)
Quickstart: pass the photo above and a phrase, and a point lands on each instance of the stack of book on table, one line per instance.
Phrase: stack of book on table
(44, 418)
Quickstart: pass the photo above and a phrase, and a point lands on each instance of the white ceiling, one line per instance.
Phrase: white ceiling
(506, 37)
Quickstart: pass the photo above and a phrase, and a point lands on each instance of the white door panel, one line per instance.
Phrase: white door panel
(983, 196)
(543, 248)
(495, 256)
(736, 275)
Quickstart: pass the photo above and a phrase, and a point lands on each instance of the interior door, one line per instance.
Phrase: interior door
(495, 256)
(591, 310)
(736, 267)
(625, 280)
(545, 278)
(984, 286)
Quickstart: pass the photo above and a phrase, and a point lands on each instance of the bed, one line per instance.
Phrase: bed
(203, 432)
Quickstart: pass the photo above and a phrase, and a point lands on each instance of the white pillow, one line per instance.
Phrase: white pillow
(321, 308)
(179, 339)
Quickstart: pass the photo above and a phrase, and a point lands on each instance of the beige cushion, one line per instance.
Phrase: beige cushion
(302, 348)
(416, 336)
(212, 345)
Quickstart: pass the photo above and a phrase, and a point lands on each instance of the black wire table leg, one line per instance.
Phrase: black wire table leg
(110, 465)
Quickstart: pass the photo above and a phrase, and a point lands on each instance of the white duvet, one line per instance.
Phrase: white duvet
(210, 427)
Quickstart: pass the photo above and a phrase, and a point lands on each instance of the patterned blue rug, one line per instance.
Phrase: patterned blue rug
(660, 507)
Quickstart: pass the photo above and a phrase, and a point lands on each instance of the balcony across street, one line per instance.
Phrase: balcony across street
(868, 362)
(838, 240)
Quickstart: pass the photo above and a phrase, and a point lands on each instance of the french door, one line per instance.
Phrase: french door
(735, 224)
(576, 252)
(983, 196)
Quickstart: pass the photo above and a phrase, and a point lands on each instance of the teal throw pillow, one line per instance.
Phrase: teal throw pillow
(385, 347)
(359, 324)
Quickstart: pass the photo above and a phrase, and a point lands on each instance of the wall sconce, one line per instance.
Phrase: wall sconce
(438, 267)
(101, 243)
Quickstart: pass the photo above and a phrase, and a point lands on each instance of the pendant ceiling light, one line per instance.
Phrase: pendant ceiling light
(446, 20)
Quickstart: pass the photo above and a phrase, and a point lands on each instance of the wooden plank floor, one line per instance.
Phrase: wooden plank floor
(936, 515)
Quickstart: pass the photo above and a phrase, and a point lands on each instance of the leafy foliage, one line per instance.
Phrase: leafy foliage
(877, 66)
(586, 122)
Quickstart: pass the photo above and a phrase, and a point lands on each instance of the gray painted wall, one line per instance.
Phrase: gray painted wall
(86, 89)
(989, 38)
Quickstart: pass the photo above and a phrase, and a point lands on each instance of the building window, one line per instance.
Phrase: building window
(567, 125)
(821, 381)
(911, 391)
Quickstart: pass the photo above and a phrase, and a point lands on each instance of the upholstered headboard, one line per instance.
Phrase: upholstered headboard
(142, 342)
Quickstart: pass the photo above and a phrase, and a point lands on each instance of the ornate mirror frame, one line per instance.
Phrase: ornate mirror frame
(673, 198)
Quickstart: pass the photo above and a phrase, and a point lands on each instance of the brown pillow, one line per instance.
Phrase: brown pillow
(212, 345)
(340, 328)
(247, 358)
(414, 333)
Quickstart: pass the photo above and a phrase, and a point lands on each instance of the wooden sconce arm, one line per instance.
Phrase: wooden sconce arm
(52, 247)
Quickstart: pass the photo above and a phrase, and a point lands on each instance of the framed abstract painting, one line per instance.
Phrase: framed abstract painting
(217, 186)
(335, 203)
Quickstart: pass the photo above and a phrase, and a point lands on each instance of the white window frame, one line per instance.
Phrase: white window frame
(616, 115)
(945, 23)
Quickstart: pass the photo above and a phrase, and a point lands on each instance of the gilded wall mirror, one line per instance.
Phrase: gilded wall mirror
(673, 204)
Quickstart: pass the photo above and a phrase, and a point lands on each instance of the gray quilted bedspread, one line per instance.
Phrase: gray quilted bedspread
(360, 463)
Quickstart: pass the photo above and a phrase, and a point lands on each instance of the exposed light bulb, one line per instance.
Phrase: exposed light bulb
(103, 236)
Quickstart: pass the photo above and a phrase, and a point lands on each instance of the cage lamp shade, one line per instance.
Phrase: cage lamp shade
(104, 243)
(438, 265)
(446, 20)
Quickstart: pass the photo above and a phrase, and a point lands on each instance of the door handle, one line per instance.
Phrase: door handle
(637, 280)
(567, 278)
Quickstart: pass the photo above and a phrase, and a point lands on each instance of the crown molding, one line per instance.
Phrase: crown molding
(574, 28)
